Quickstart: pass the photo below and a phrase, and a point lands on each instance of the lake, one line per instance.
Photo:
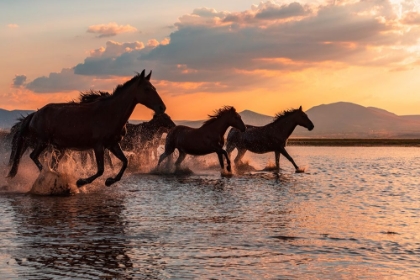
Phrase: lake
(354, 213)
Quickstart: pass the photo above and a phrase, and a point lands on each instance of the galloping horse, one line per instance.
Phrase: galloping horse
(145, 136)
(268, 138)
(94, 125)
(203, 140)
(57, 155)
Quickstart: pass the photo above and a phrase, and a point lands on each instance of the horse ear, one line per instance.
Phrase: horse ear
(300, 108)
(148, 76)
(142, 74)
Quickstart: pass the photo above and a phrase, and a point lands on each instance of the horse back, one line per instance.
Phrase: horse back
(73, 125)
(258, 139)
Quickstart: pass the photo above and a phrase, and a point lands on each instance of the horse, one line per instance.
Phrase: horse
(94, 125)
(57, 155)
(268, 138)
(146, 136)
(209, 138)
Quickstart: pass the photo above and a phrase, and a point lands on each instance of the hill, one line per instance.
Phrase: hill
(349, 120)
(335, 120)
(8, 118)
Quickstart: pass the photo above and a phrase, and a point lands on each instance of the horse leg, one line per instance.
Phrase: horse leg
(36, 152)
(239, 156)
(181, 157)
(220, 154)
(277, 159)
(168, 151)
(99, 155)
(284, 153)
(116, 150)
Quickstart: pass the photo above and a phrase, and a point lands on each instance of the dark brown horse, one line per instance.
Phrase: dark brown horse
(94, 125)
(12, 137)
(203, 140)
(143, 137)
(268, 138)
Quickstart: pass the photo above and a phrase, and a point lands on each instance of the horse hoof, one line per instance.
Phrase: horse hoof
(109, 182)
(300, 170)
(229, 169)
(81, 183)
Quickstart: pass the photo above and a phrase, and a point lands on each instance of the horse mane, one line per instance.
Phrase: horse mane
(284, 114)
(92, 95)
(123, 87)
(218, 113)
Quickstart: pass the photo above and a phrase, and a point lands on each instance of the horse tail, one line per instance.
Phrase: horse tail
(232, 140)
(19, 144)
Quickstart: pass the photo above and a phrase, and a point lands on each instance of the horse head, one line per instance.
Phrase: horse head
(236, 120)
(163, 121)
(302, 119)
(146, 94)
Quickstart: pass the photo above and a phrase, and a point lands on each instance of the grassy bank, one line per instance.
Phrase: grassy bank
(353, 142)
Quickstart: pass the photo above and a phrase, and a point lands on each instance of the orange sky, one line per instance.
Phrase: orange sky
(265, 57)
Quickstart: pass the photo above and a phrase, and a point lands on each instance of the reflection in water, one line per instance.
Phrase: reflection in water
(79, 236)
(352, 214)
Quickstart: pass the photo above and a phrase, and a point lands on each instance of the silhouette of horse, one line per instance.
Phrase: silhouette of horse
(94, 125)
(57, 155)
(268, 138)
(203, 140)
(143, 137)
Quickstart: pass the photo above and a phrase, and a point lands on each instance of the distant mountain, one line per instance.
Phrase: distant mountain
(249, 117)
(8, 118)
(335, 120)
(349, 120)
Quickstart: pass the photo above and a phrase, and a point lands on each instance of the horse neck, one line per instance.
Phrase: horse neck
(219, 125)
(121, 105)
(286, 125)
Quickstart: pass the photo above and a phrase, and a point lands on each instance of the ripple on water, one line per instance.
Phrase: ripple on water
(352, 214)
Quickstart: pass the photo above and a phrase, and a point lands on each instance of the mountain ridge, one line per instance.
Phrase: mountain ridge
(334, 120)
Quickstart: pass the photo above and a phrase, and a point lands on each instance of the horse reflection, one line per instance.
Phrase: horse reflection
(96, 125)
(80, 235)
(268, 138)
(203, 140)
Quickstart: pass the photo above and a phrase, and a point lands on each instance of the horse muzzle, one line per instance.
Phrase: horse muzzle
(160, 109)
(310, 128)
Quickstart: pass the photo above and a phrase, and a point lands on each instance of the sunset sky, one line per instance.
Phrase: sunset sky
(261, 56)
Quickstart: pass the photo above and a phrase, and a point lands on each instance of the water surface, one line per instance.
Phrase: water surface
(354, 213)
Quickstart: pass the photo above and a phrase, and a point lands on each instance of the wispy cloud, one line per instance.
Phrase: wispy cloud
(13, 25)
(110, 29)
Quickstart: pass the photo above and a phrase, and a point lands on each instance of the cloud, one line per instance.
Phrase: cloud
(412, 18)
(110, 29)
(19, 80)
(13, 25)
(222, 51)
(60, 82)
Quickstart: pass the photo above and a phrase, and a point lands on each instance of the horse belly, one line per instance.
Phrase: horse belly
(260, 146)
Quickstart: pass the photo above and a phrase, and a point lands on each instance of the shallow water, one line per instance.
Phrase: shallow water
(354, 213)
